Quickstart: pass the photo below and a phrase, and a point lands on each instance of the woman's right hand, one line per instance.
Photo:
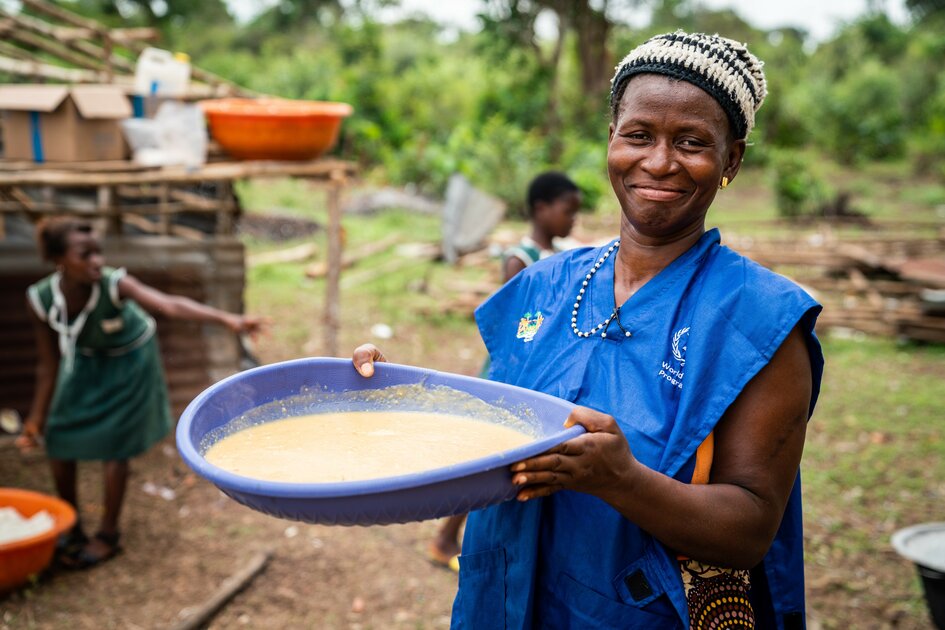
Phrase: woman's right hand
(364, 357)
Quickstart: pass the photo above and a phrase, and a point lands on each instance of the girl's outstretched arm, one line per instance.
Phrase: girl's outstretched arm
(179, 307)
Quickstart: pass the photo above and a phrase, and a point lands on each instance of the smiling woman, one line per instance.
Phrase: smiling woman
(697, 371)
(666, 163)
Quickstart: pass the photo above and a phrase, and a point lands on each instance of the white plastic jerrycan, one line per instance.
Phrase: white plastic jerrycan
(162, 73)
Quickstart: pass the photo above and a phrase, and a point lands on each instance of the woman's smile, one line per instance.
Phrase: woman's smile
(657, 192)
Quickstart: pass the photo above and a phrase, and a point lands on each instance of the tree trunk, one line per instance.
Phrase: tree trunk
(553, 119)
(592, 28)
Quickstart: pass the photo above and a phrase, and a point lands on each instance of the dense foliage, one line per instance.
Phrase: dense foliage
(503, 103)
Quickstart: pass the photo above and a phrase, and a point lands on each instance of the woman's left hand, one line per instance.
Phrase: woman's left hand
(598, 462)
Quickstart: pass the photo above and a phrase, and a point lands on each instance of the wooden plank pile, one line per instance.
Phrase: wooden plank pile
(882, 284)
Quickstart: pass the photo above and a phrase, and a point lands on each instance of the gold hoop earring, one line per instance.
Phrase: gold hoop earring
(724, 183)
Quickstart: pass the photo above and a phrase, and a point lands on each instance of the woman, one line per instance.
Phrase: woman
(697, 371)
(100, 391)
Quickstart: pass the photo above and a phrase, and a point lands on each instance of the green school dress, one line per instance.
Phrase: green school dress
(110, 400)
(528, 251)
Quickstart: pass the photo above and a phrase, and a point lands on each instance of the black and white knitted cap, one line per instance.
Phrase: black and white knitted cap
(722, 67)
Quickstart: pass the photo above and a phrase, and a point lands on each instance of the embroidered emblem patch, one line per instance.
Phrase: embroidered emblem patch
(674, 375)
(679, 339)
(528, 326)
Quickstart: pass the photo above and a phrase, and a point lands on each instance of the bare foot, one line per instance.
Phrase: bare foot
(442, 551)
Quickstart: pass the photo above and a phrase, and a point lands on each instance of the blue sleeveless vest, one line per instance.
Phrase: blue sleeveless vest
(701, 330)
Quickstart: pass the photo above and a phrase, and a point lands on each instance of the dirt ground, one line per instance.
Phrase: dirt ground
(179, 548)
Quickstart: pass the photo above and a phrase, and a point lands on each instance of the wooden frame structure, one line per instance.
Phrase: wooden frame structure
(127, 197)
(175, 226)
(57, 45)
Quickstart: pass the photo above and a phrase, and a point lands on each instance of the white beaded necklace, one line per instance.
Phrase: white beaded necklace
(580, 296)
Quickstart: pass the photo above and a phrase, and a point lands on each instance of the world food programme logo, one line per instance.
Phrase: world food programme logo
(674, 376)
(679, 348)
(529, 325)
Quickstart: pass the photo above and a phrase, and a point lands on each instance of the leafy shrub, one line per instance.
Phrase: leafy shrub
(585, 162)
(860, 116)
(798, 190)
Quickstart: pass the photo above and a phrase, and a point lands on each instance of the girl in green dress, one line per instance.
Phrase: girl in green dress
(100, 390)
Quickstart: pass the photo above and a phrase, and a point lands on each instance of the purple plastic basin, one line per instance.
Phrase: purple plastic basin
(413, 497)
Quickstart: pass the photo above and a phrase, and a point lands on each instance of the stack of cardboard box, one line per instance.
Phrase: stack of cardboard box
(62, 123)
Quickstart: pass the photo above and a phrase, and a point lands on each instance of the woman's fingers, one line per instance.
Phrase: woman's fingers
(585, 463)
(592, 421)
(364, 357)
(553, 477)
(537, 491)
(549, 460)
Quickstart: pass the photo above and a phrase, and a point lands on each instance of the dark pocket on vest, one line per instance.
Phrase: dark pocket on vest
(581, 607)
(480, 601)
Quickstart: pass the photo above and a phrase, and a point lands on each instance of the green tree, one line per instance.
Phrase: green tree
(158, 13)
(926, 8)
(860, 116)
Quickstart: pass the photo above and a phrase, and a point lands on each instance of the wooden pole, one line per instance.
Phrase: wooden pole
(12, 51)
(164, 220)
(107, 56)
(105, 201)
(333, 277)
(198, 616)
(34, 69)
(10, 31)
(74, 19)
(226, 208)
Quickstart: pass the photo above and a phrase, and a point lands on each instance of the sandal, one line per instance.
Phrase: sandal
(85, 559)
(70, 543)
(440, 559)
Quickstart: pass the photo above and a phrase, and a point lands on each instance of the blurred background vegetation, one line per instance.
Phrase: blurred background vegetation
(501, 103)
(853, 123)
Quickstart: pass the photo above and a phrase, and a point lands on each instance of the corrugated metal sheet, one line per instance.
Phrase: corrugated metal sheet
(195, 355)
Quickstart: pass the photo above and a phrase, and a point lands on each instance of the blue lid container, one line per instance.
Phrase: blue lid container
(306, 386)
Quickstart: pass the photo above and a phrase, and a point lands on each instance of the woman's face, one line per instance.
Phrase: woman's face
(83, 259)
(669, 148)
(557, 217)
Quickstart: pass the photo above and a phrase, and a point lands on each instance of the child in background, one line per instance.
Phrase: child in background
(553, 202)
(100, 389)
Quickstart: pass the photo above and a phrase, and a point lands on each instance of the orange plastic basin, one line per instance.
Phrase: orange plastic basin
(21, 559)
(274, 129)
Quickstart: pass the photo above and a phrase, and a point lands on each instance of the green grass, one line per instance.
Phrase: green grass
(294, 197)
(879, 424)
(874, 462)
